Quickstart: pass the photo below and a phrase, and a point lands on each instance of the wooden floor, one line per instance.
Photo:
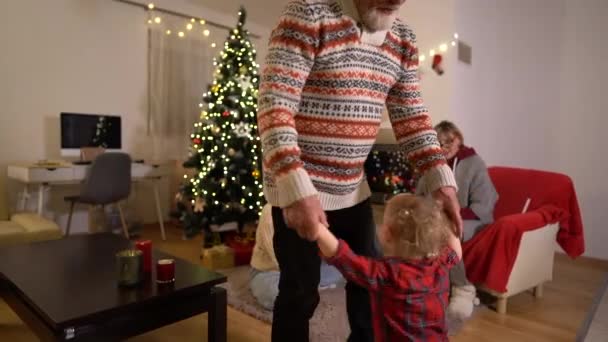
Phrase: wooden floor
(555, 317)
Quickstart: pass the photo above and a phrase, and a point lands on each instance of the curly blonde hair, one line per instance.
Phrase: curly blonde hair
(418, 226)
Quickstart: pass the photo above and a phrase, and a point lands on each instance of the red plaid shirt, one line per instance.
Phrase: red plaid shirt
(408, 298)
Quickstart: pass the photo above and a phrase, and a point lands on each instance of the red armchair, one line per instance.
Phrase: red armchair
(516, 252)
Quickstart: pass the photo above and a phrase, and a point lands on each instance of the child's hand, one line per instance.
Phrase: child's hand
(328, 244)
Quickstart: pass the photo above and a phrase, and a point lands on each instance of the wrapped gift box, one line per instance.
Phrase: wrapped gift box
(242, 247)
(218, 257)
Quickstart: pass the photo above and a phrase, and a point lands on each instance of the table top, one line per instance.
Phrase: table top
(70, 279)
(42, 165)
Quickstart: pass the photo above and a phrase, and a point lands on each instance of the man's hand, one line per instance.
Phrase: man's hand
(447, 196)
(304, 216)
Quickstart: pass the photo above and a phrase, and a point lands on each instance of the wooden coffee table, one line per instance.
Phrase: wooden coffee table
(66, 290)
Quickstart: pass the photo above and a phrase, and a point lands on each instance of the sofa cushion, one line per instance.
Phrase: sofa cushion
(36, 227)
(11, 233)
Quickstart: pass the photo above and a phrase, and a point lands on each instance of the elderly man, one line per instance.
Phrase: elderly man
(331, 68)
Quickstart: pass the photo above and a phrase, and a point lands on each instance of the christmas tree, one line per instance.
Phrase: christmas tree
(389, 172)
(225, 155)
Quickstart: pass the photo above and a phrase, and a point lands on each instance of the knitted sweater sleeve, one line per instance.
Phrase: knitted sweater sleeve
(291, 53)
(412, 123)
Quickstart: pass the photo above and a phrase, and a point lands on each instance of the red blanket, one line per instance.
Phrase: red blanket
(490, 255)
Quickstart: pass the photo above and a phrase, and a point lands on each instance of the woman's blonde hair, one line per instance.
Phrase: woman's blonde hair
(448, 127)
(418, 226)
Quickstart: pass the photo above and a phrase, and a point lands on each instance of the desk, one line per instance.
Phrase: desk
(45, 175)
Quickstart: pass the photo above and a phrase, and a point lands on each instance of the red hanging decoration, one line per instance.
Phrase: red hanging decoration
(196, 141)
(226, 113)
(437, 65)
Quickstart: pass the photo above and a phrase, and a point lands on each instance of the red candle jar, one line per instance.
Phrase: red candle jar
(165, 271)
(145, 246)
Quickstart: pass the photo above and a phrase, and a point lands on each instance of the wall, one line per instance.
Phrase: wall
(433, 23)
(68, 55)
(81, 56)
(532, 97)
(580, 124)
(504, 99)
(260, 19)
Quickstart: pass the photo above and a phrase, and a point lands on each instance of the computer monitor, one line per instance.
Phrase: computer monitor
(89, 130)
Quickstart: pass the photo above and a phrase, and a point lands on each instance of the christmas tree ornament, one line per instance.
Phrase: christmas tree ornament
(242, 130)
(231, 152)
(199, 205)
(245, 82)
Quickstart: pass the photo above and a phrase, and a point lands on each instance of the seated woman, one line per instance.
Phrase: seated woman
(264, 280)
(477, 197)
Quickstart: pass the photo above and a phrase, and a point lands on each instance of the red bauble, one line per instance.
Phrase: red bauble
(226, 113)
(196, 141)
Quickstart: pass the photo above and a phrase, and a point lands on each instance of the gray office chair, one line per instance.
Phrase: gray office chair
(108, 182)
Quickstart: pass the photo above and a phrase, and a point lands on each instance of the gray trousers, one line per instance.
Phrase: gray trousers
(458, 275)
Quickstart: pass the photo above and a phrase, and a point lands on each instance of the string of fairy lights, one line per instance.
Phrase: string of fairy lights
(191, 26)
(440, 48)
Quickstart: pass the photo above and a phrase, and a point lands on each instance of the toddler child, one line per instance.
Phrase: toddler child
(409, 286)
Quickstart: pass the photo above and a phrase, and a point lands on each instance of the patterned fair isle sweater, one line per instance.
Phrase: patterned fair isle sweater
(321, 99)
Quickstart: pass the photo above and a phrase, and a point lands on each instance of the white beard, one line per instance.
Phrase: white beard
(376, 21)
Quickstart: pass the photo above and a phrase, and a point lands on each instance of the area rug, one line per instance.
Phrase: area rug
(595, 326)
(329, 322)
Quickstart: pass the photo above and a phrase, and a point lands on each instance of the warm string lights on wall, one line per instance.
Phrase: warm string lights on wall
(439, 49)
(192, 26)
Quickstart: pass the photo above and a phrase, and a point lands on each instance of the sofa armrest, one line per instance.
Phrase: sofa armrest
(11, 233)
(36, 227)
(533, 219)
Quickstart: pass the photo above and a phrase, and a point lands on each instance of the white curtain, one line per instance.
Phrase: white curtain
(180, 69)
